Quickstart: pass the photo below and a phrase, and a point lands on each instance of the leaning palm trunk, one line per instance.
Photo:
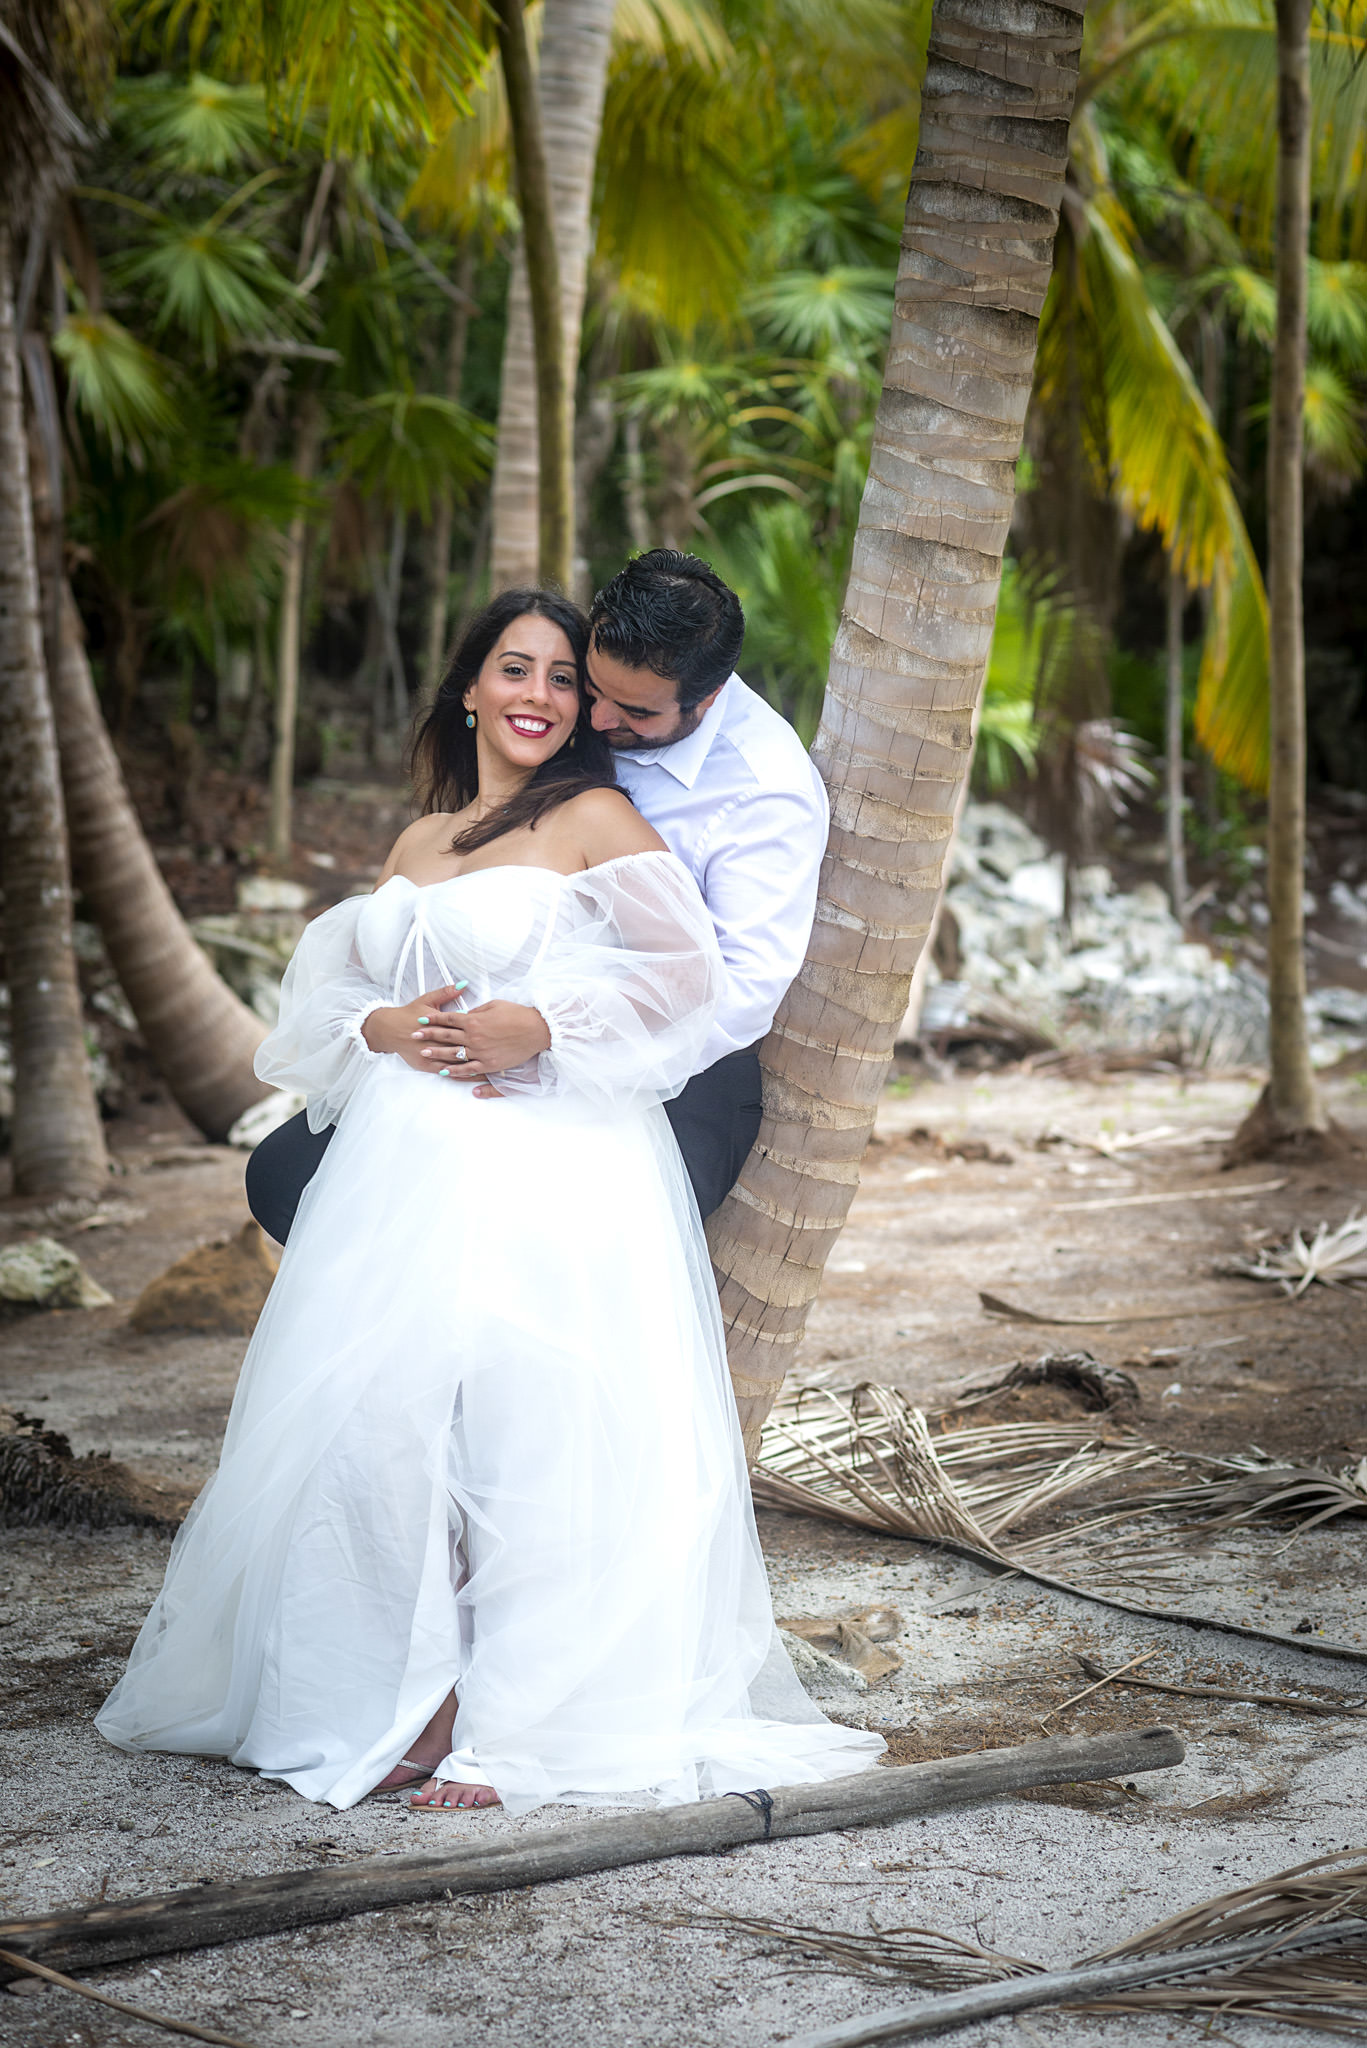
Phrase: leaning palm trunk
(201, 1037)
(56, 1142)
(909, 659)
(1290, 1108)
(572, 78)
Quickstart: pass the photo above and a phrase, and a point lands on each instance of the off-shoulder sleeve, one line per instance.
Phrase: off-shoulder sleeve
(627, 985)
(316, 1048)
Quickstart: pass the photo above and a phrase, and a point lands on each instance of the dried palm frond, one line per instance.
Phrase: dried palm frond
(1291, 1948)
(920, 1955)
(1259, 1485)
(869, 1459)
(1338, 1258)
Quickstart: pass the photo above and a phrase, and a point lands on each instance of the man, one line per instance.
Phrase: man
(729, 787)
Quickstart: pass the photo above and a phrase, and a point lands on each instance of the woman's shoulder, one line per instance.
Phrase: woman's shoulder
(605, 824)
(433, 829)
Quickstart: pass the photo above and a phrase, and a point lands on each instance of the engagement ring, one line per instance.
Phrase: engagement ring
(461, 1053)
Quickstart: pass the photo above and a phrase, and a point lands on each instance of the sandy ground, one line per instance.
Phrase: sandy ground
(1051, 1876)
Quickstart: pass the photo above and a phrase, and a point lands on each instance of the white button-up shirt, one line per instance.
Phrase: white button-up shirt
(742, 806)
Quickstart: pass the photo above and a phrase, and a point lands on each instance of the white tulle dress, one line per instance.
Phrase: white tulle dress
(484, 1435)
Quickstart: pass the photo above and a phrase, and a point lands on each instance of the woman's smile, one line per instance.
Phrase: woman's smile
(530, 723)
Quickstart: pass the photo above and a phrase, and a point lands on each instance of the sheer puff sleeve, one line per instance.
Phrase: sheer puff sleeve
(627, 985)
(316, 1048)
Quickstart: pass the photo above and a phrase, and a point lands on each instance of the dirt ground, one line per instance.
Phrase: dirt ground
(1051, 1876)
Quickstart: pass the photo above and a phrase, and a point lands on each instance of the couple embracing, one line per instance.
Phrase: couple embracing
(481, 1524)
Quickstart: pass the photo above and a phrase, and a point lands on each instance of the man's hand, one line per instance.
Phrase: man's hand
(492, 1038)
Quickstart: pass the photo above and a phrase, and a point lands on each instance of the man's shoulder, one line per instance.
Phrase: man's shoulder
(768, 753)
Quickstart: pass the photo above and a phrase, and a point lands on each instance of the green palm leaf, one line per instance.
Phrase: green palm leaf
(372, 69)
(1167, 465)
(198, 125)
(814, 312)
(117, 383)
(411, 448)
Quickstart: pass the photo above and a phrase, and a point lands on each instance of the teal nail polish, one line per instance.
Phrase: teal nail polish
(443, 1070)
(460, 985)
(424, 1020)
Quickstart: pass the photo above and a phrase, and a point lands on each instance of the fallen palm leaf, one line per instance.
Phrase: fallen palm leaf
(1229, 1194)
(1292, 1948)
(1257, 1485)
(993, 1305)
(1337, 1258)
(868, 1460)
(1308, 1705)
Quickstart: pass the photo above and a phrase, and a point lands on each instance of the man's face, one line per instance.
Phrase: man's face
(633, 707)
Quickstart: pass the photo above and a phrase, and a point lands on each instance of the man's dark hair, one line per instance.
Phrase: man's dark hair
(671, 614)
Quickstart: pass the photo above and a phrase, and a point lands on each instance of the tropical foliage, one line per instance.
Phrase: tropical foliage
(264, 234)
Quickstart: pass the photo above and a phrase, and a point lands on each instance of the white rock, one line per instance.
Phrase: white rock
(44, 1274)
(262, 1118)
(818, 1672)
(265, 892)
(1040, 884)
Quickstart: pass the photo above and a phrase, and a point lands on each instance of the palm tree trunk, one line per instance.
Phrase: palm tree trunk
(1290, 1108)
(575, 41)
(198, 1033)
(57, 1144)
(280, 834)
(911, 652)
(1175, 790)
(439, 574)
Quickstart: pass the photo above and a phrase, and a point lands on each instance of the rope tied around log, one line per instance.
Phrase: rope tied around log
(762, 1804)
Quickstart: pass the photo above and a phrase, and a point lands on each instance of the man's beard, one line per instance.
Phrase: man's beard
(625, 741)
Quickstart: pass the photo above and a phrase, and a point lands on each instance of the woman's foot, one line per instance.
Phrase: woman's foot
(439, 1794)
(431, 1746)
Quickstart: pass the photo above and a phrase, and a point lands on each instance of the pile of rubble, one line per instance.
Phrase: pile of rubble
(1029, 957)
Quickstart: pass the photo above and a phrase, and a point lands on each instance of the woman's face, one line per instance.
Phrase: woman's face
(526, 696)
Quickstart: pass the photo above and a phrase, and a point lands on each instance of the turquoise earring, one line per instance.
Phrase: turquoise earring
(470, 720)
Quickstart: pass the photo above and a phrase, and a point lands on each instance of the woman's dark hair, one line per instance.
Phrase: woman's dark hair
(672, 614)
(445, 760)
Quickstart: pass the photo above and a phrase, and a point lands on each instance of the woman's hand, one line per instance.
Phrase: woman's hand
(399, 1030)
(472, 1044)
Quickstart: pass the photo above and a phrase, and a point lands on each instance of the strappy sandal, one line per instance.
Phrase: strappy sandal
(420, 1775)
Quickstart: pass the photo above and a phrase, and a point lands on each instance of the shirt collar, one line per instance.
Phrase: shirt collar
(685, 758)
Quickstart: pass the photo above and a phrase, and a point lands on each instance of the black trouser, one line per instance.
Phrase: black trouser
(715, 1119)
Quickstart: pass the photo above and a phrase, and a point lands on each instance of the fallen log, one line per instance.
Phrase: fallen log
(204, 1915)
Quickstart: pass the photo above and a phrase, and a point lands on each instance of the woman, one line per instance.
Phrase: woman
(481, 1522)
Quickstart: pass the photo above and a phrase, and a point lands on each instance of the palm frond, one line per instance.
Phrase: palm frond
(373, 73)
(810, 312)
(1292, 1948)
(1166, 463)
(1336, 1257)
(870, 1460)
(198, 125)
(117, 383)
(412, 448)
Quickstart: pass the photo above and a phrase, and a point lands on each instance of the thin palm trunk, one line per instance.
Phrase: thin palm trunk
(56, 1141)
(555, 478)
(1291, 1106)
(281, 825)
(909, 659)
(1175, 789)
(572, 78)
(439, 574)
(200, 1036)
